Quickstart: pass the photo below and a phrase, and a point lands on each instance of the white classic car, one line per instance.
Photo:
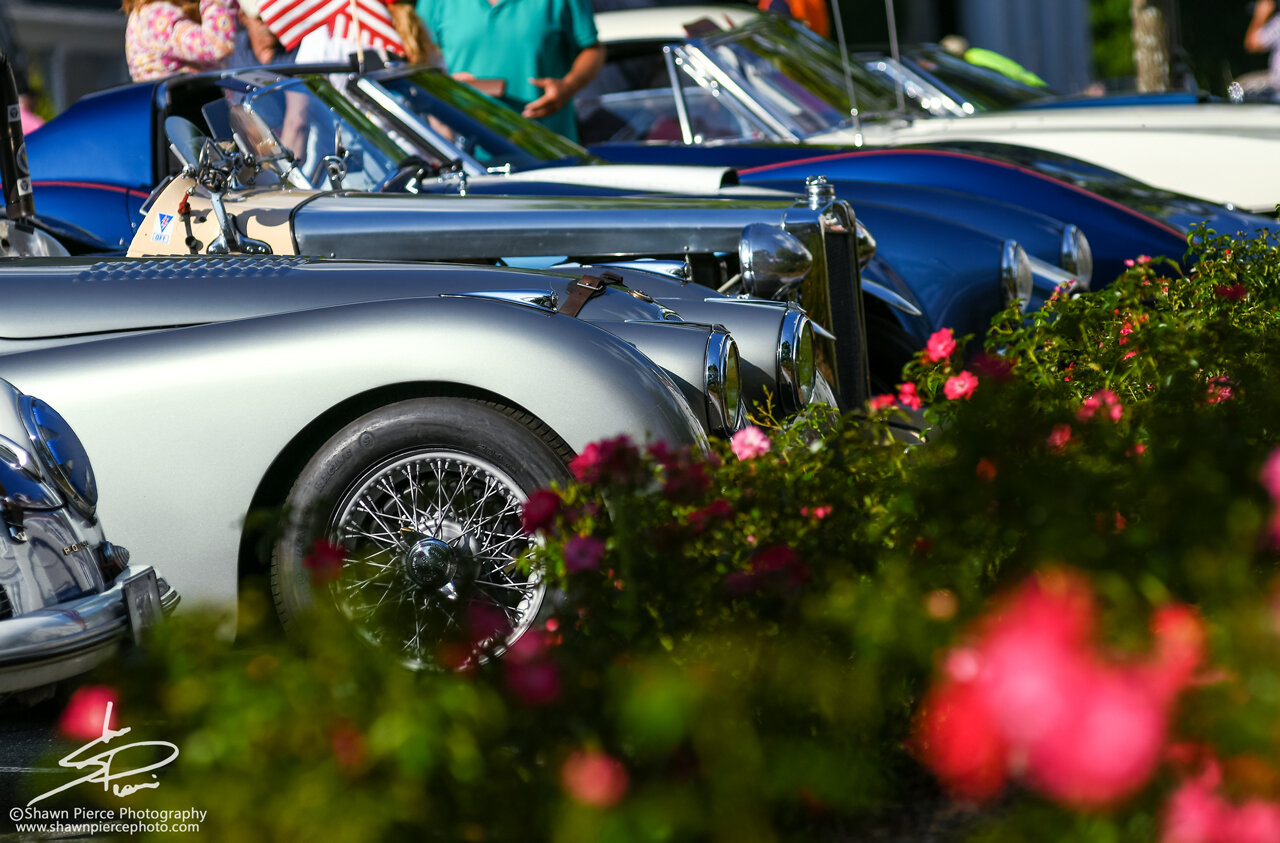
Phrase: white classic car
(769, 78)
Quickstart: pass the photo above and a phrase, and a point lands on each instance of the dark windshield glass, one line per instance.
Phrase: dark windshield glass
(479, 125)
(799, 75)
(985, 89)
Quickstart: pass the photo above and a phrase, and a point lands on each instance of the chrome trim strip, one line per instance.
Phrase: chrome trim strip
(890, 298)
(677, 91)
(538, 299)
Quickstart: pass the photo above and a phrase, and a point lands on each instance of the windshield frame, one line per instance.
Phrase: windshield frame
(461, 107)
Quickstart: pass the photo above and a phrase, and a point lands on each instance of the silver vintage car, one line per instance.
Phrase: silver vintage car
(401, 411)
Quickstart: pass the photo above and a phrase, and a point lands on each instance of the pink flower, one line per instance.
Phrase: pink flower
(540, 511)
(1144, 259)
(607, 461)
(1059, 437)
(583, 553)
(908, 397)
(880, 402)
(817, 513)
(1270, 475)
(1219, 390)
(1103, 399)
(749, 443)
(594, 778)
(960, 386)
(89, 711)
(994, 366)
(939, 346)
(1129, 354)
(1198, 813)
(1031, 697)
(324, 562)
(1128, 262)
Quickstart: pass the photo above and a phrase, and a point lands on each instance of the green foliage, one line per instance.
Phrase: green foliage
(734, 648)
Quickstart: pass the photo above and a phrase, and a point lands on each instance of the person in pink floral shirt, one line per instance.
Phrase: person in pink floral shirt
(164, 37)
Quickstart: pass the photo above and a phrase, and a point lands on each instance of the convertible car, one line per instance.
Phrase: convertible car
(450, 155)
(69, 599)
(402, 411)
(773, 79)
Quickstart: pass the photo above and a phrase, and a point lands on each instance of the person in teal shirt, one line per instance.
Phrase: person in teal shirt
(544, 50)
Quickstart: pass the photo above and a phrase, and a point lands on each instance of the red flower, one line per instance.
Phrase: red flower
(325, 562)
(1219, 390)
(986, 470)
(908, 397)
(817, 513)
(960, 386)
(749, 443)
(939, 346)
(540, 511)
(1059, 437)
(89, 712)
(685, 481)
(993, 366)
(958, 740)
(777, 567)
(583, 553)
(699, 519)
(594, 778)
(348, 744)
(880, 402)
(534, 683)
(1233, 293)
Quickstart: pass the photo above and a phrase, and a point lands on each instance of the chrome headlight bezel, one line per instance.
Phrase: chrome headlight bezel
(23, 480)
(1016, 274)
(723, 382)
(771, 260)
(62, 454)
(797, 360)
(1077, 256)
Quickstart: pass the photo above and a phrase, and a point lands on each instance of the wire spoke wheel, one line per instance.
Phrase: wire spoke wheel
(432, 541)
(425, 498)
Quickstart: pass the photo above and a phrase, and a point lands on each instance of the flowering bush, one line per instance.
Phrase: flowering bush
(1063, 606)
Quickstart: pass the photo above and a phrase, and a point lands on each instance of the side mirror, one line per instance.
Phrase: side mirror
(186, 141)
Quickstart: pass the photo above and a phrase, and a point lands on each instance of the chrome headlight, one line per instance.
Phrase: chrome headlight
(772, 260)
(797, 365)
(1016, 274)
(1077, 256)
(723, 381)
(62, 453)
(22, 480)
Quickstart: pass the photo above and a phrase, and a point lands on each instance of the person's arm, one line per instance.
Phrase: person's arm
(208, 41)
(1255, 40)
(556, 93)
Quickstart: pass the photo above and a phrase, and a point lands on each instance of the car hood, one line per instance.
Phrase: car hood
(66, 301)
(377, 226)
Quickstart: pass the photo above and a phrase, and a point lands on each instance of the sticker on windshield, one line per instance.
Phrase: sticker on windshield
(164, 229)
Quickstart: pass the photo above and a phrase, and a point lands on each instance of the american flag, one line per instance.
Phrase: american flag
(290, 20)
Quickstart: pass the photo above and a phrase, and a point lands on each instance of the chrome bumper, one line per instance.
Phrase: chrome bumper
(52, 644)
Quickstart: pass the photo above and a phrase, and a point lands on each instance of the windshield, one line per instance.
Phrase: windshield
(310, 118)
(985, 89)
(799, 76)
(479, 125)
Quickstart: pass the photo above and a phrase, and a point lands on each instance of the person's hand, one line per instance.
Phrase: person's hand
(555, 96)
(1265, 9)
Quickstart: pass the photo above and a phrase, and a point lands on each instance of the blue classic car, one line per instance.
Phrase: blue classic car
(733, 99)
(95, 208)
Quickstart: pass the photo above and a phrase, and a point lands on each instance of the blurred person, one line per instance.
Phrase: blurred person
(958, 45)
(1262, 35)
(542, 51)
(811, 13)
(255, 43)
(183, 36)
